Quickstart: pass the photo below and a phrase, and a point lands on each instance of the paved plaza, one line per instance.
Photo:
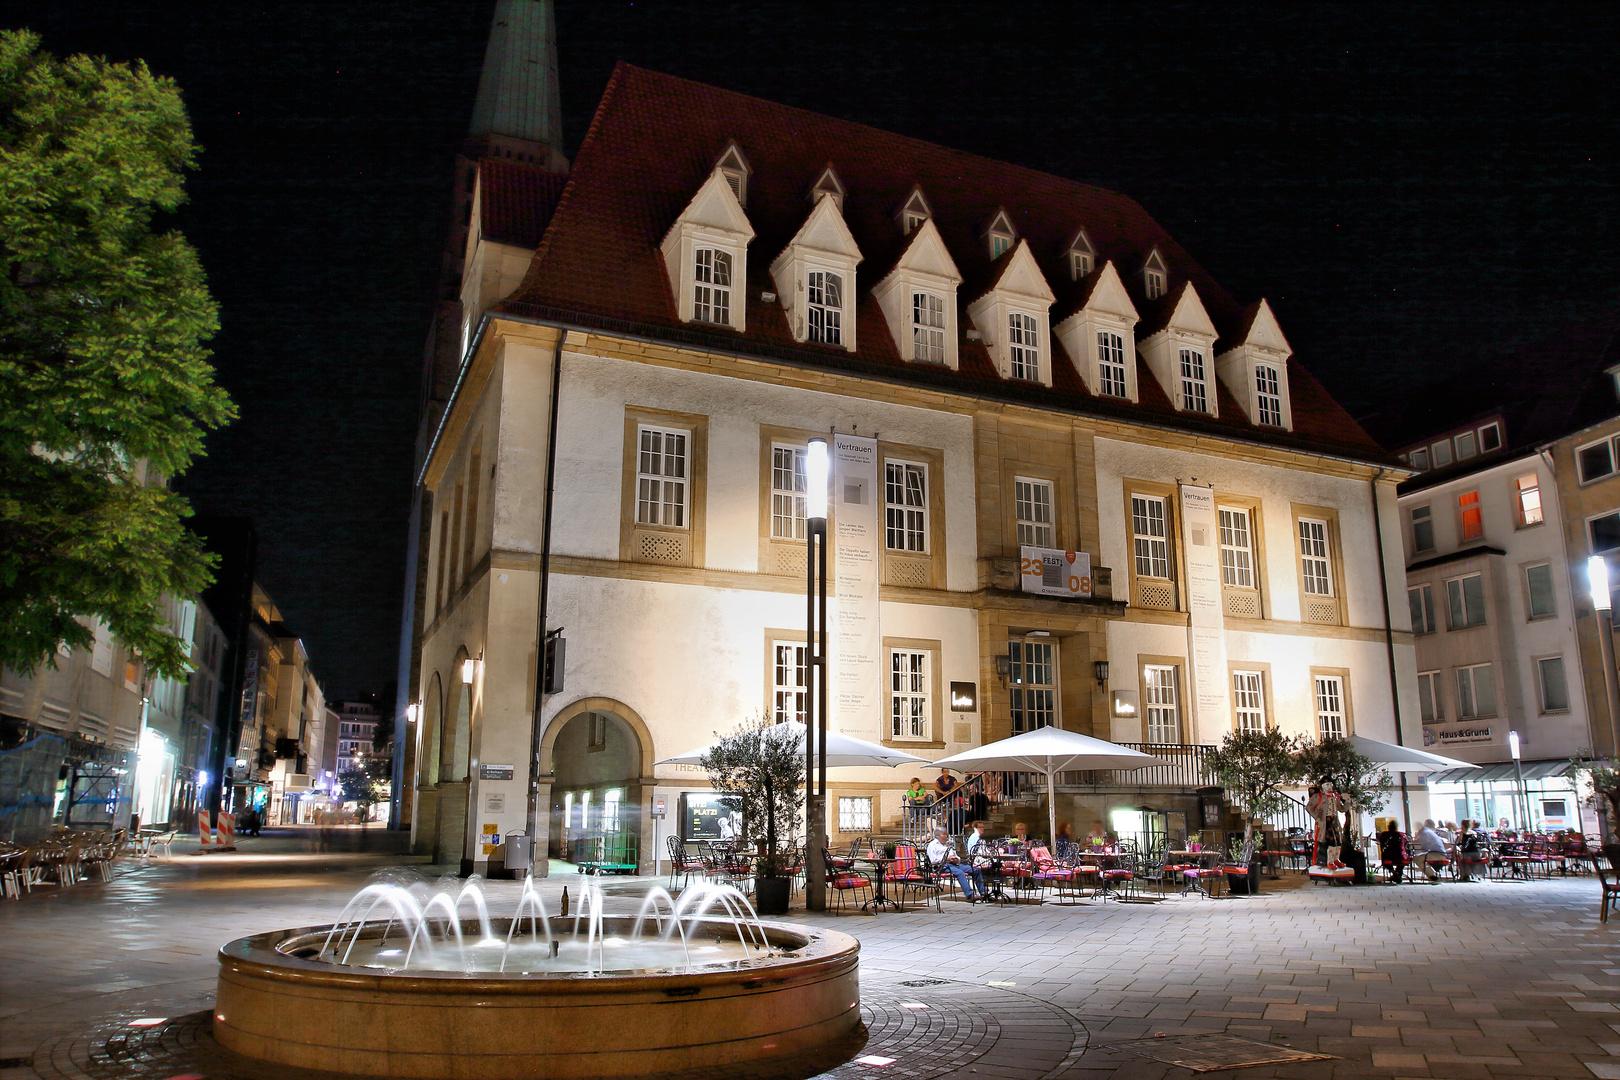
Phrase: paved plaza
(1458, 980)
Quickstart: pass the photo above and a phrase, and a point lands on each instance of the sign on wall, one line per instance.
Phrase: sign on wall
(1050, 572)
(1206, 632)
(856, 691)
(704, 816)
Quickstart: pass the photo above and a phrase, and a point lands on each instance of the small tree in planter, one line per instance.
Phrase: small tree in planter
(1604, 779)
(1254, 766)
(759, 772)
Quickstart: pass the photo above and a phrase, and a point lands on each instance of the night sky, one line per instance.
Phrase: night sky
(1413, 187)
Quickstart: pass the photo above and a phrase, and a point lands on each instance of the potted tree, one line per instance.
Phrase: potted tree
(1254, 766)
(759, 772)
(1363, 782)
(1603, 778)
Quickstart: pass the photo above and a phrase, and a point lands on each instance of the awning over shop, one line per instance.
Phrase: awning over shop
(1501, 770)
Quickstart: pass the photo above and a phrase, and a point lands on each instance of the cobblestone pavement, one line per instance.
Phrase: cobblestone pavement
(1457, 980)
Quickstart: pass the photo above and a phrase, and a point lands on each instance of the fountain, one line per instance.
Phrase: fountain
(421, 980)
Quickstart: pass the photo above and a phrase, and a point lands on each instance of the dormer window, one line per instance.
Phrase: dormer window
(735, 168)
(824, 307)
(1490, 438)
(1024, 346)
(1194, 390)
(1100, 337)
(711, 287)
(828, 186)
(1000, 236)
(913, 212)
(813, 275)
(927, 328)
(1154, 276)
(1082, 256)
(706, 255)
(1268, 395)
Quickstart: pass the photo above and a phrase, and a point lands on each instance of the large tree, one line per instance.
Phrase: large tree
(105, 385)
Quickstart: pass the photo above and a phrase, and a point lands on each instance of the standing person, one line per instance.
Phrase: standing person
(942, 855)
(1392, 852)
(978, 803)
(947, 801)
(917, 802)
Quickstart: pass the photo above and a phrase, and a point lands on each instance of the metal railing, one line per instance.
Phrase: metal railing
(1184, 766)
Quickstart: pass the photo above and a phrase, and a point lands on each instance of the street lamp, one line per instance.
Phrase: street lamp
(1597, 573)
(1518, 767)
(815, 728)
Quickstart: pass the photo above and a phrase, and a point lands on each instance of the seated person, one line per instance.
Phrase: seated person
(1021, 836)
(1061, 843)
(1428, 848)
(1469, 853)
(1392, 852)
(1098, 835)
(978, 848)
(942, 855)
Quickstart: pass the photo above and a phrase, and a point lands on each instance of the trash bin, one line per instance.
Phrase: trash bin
(516, 851)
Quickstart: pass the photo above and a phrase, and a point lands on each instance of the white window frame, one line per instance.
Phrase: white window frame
(1194, 382)
(1315, 557)
(910, 701)
(1033, 684)
(1457, 591)
(1530, 593)
(905, 521)
(1527, 499)
(1332, 717)
(1249, 700)
(1268, 402)
(788, 504)
(1079, 264)
(1424, 620)
(711, 296)
(1580, 467)
(1111, 380)
(1161, 704)
(661, 494)
(1467, 444)
(1024, 346)
(1426, 521)
(1235, 527)
(1441, 453)
(1150, 549)
(855, 814)
(824, 307)
(1033, 512)
(1541, 684)
(1431, 697)
(1000, 244)
(1469, 681)
(927, 327)
(790, 681)
(1419, 459)
(1496, 430)
(1153, 282)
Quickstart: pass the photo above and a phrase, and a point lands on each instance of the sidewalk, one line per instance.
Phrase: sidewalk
(1464, 981)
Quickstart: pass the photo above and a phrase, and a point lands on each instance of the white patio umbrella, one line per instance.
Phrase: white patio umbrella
(1404, 759)
(1049, 750)
(842, 750)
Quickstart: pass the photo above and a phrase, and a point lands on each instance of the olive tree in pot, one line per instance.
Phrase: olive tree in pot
(1591, 771)
(759, 772)
(1364, 784)
(1254, 766)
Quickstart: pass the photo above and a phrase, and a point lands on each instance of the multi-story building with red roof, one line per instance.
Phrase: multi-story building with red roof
(1027, 363)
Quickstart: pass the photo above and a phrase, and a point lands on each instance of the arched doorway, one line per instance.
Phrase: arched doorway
(425, 814)
(455, 741)
(600, 754)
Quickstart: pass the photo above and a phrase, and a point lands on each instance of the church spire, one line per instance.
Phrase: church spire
(517, 112)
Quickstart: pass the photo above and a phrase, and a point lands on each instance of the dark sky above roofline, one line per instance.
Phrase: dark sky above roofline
(1413, 187)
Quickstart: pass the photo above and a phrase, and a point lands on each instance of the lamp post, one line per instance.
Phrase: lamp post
(1518, 767)
(815, 638)
(1597, 573)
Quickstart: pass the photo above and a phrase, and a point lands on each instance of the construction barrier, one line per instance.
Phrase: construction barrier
(227, 831)
(202, 828)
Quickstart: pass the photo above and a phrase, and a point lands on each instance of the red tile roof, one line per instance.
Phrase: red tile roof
(516, 201)
(654, 141)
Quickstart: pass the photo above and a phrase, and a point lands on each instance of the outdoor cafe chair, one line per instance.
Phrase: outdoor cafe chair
(1607, 866)
(910, 873)
(845, 882)
(682, 864)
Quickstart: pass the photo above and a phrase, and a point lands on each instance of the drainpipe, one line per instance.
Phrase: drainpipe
(533, 823)
(1389, 639)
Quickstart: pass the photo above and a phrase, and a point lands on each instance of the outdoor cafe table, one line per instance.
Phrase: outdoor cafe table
(1185, 856)
(879, 864)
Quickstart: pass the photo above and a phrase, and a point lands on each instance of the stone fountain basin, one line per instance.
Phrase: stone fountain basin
(278, 1007)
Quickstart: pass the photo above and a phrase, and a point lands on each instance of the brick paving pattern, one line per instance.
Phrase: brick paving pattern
(1513, 979)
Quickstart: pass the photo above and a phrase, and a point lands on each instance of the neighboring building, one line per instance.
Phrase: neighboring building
(177, 735)
(357, 728)
(1004, 359)
(1516, 489)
